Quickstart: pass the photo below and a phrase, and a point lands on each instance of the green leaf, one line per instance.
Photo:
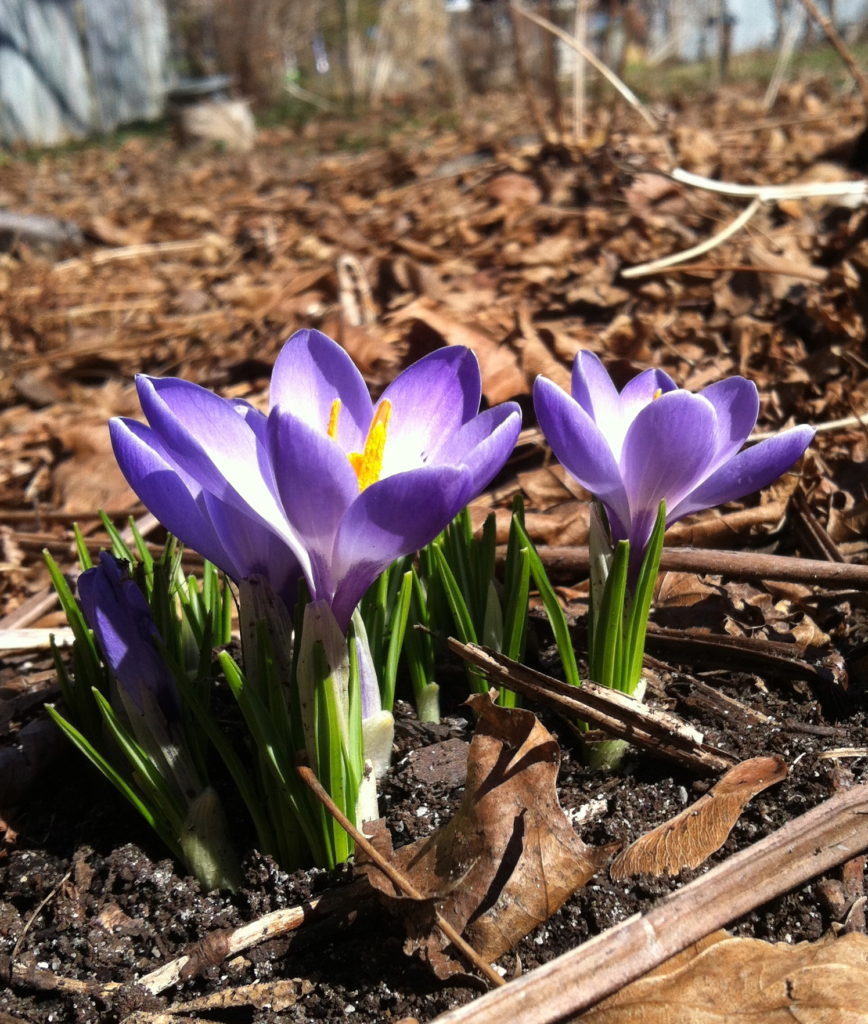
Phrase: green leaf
(152, 815)
(637, 621)
(85, 559)
(156, 788)
(419, 655)
(388, 673)
(120, 548)
(461, 615)
(554, 611)
(606, 644)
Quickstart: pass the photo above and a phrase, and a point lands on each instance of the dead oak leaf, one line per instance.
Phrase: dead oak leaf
(689, 838)
(724, 980)
(502, 377)
(507, 860)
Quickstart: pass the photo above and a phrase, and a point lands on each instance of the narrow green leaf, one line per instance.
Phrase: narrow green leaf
(152, 815)
(515, 616)
(455, 596)
(120, 548)
(608, 639)
(388, 673)
(158, 791)
(637, 622)
(554, 611)
(85, 559)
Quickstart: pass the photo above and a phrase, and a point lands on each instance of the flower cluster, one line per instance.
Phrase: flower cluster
(331, 488)
(327, 485)
(656, 442)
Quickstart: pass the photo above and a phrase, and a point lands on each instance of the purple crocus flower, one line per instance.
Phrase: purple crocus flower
(654, 441)
(328, 484)
(116, 610)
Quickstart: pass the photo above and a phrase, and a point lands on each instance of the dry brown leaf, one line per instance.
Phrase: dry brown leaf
(90, 477)
(514, 189)
(501, 376)
(724, 980)
(689, 838)
(544, 487)
(536, 356)
(508, 858)
(564, 524)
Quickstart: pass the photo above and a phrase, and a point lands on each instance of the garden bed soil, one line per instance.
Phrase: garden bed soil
(113, 909)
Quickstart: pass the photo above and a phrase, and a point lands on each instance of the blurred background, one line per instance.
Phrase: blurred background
(70, 69)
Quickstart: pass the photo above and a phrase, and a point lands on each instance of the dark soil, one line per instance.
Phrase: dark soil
(113, 909)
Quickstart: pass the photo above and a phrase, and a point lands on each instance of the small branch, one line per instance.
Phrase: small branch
(210, 951)
(822, 428)
(771, 193)
(215, 947)
(592, 59)
(785, 54)
(145, 250)
(35, 639)
(744, 565)
(580, 30)
(621, 716)
(825, 837)
(696, 250)
(395, 876)
(842, 48)
(783, 269)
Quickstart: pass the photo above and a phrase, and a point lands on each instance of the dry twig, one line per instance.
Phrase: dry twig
(843, 50)
(395, 877)
(745, 565)
(618, 714)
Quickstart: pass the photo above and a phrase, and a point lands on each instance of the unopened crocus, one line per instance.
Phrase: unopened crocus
(116, 610)
(328, 483)
(119, 615)
(656, 442)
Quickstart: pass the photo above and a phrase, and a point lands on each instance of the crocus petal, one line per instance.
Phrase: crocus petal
(430, 400)
(749, 471)
(646, 387)
(206, 437)
(256, 550)
(667, 447)
(309, 374)
(167, 491)
(593, 389)
(482, 445)
(389, 519)
(736, 404)
(253, 417)
(317, 485)
(580, 446)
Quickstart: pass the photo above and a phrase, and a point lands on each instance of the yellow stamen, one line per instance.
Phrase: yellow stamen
(369, 463)
(332, 430)
(657, 394)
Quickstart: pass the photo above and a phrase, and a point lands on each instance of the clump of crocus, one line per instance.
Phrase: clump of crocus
(650, 454)
(144, 716)
(328, 486)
